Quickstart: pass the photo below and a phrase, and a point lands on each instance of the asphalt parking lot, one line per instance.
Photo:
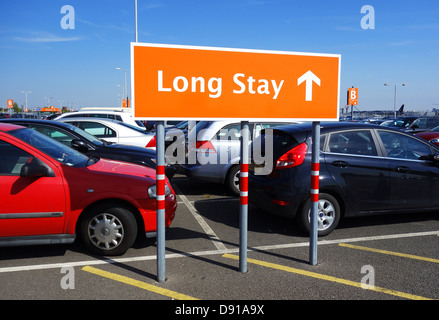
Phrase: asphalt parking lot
(391, 257)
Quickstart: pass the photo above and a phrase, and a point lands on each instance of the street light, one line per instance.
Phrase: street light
(26, 93)
(394, 98)
(126, 92)
(136, 36)
(48, 101)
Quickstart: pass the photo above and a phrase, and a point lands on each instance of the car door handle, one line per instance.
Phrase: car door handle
(341, 164)
(402, 169)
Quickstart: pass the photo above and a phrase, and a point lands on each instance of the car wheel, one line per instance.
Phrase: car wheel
(232, 180)
(328, 215)
(108, 230)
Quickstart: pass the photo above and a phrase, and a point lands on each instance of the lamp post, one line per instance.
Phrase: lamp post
(126, 92)
(394, 98)
(26, 93)
(135, 19)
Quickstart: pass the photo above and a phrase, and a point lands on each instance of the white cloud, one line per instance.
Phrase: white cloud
(44, 37)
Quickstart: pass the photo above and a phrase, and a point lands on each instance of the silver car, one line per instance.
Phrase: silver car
(216, 151)
(112, 130)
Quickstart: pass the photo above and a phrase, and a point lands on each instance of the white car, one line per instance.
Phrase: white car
(114, 114)
(112, 130)
(218, 146)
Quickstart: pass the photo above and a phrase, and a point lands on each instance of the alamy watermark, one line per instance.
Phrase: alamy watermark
(222, 149)
(368, 20)
(68, 20)
(68, 281)
(368, 281)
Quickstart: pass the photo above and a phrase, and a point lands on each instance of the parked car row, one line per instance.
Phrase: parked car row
(92, 145)
(99, 186)
(52, 193)
(412, 124)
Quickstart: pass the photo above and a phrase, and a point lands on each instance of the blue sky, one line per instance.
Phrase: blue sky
(76, 67)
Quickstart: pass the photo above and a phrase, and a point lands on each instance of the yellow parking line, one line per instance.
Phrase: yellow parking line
(398, 254)
(328, 278)
(139, 284)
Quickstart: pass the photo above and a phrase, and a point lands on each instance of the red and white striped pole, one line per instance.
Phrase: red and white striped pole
(243, 184)
(243, 197)
(314, 197)
(315, 175)
(160, 177)
(160, 200)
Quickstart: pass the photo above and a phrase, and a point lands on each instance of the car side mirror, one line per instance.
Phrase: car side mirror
(79, 145)
(35, 168)
(430, 157)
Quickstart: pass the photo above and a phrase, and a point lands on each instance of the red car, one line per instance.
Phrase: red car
(432, 136)
(52, 194)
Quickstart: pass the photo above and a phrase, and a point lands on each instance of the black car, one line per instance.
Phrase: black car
(91, 146)
(364, 169)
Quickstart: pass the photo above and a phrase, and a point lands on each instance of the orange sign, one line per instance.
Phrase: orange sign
(182, 82)
(51, 109)
(124, 103)
(10, 103)
(353, 96)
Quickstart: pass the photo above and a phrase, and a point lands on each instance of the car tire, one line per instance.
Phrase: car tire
(232, 180)
(108, 229)
(328, 215)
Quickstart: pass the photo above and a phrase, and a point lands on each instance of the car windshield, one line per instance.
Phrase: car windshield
(86, 135)
(54, 149)
(133, 127)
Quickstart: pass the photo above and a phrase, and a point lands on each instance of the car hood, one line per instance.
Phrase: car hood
(120, 167)
(428, 134)
(130, 149)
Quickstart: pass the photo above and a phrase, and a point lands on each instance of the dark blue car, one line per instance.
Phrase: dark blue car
(91, 146)
(364, 169)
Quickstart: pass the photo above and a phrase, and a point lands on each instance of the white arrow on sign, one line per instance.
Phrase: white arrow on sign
(309, 78)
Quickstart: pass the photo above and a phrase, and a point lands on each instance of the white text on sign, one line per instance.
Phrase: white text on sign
(214, 85)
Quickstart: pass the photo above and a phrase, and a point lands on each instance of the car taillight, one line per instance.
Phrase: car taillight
(281, 202)
(151, 143)
(292, 158)
(205, 146)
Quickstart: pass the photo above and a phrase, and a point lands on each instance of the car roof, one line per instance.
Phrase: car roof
(5, 127)
(41, 121)
(326, 126)
(89, 119)
(82, 112)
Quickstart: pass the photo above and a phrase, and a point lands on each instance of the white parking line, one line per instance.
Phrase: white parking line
(207, 229)
(210, 252)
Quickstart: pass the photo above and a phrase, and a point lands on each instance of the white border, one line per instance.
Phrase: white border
(159, 45)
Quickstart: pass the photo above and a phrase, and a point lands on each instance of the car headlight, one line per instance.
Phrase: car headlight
(152, 191)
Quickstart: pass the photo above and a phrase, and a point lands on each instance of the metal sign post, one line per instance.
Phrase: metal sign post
(243, 195)
(315, 172)
(160, 198)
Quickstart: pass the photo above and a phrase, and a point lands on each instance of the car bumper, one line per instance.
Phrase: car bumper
(150, 215)
(274, 199)
(202, 172)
